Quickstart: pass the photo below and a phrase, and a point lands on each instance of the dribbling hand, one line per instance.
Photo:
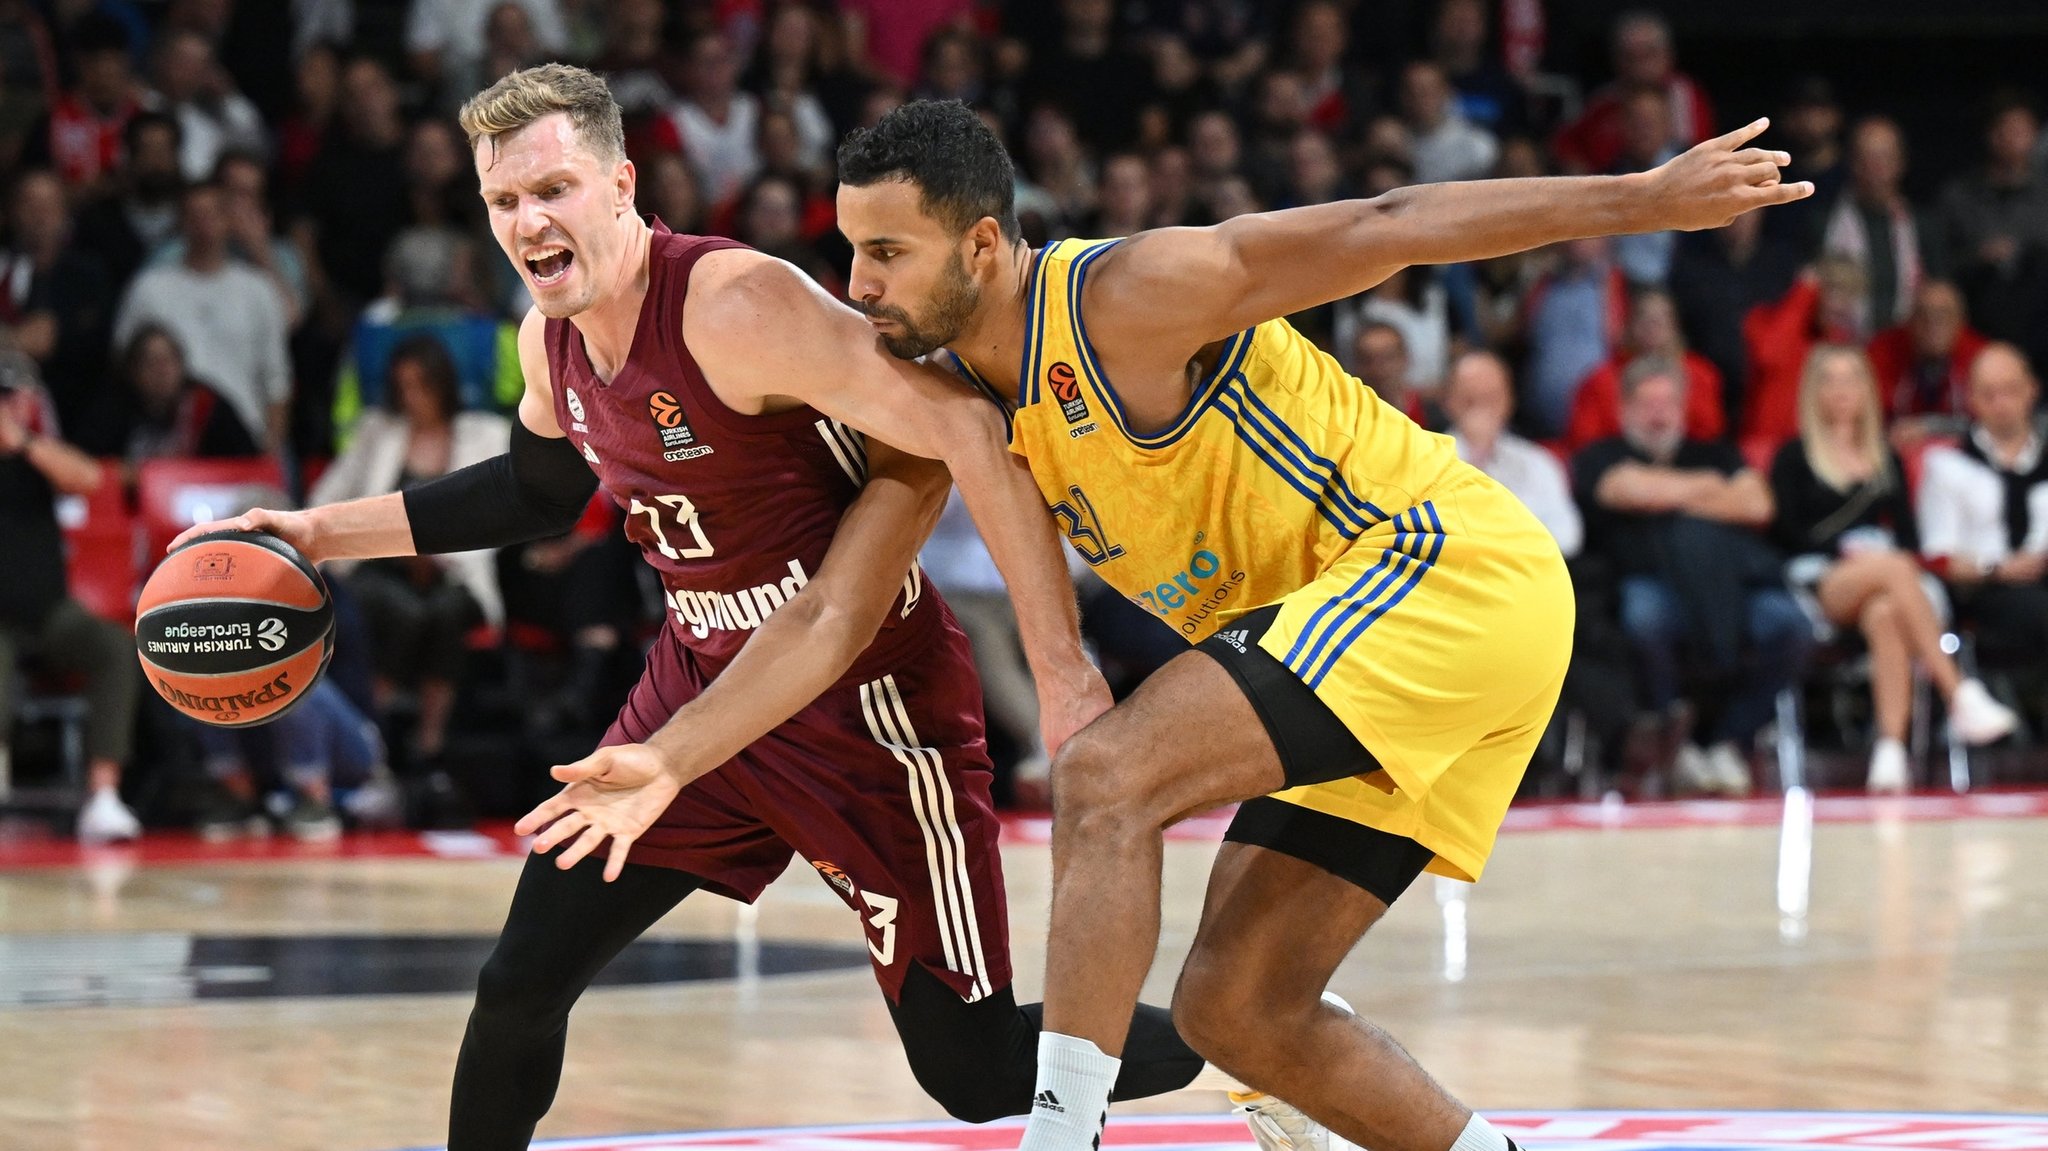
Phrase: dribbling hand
(1713, 182)
(613, 793)
(294, 528)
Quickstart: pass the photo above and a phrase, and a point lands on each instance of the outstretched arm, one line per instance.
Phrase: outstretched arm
(765, 334)
(1249, 269)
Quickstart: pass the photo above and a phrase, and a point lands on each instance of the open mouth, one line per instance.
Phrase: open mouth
(549, 265)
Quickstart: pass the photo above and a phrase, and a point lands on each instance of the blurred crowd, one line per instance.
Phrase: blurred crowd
(1795, 456)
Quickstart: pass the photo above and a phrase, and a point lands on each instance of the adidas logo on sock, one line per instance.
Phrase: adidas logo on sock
(1049, 1102)
(1236, 639)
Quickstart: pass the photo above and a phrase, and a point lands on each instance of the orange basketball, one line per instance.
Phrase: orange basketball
(234, 628)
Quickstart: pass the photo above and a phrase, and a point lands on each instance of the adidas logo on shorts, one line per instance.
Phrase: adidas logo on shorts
(1048, 1101)
(1236, 639)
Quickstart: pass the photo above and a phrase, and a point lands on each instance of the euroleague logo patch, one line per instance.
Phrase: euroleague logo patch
(836, 876)
(678, 442)
(1535, 1130)
(667, 412)
(1066, 388)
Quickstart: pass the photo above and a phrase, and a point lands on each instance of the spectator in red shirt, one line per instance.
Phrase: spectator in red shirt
(81, 138)
(1337, 97)
(1825, 307)
(1922, 367)
(318, 84)
(1652, 333)
(1643, 58)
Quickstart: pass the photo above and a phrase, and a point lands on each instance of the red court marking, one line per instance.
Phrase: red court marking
(1538, 1130)
(495, 840)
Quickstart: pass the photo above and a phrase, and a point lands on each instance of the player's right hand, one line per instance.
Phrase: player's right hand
(1713, 182)
(614, 793)
(294, 528)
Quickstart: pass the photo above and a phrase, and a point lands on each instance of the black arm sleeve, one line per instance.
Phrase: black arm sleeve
(536, 490)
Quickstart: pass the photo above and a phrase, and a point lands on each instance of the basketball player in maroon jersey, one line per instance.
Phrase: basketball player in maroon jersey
(808, 695)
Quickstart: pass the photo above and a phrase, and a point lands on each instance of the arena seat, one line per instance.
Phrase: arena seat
(1914, 458)
(100, 547)
(173, 494)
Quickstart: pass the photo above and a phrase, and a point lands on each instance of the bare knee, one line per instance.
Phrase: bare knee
(1230, 1011)
(1880, 615)
(1098, 785)
(1206, 1011)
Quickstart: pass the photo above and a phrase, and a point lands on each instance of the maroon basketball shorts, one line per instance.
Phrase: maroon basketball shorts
(881, 786)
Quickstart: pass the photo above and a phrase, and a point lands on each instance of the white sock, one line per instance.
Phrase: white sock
(1479, 1135)
(1071, 1101)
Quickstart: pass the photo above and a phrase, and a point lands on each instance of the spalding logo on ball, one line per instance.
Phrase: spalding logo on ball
(234, 628)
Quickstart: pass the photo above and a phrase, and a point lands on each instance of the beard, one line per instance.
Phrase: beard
(952, 303)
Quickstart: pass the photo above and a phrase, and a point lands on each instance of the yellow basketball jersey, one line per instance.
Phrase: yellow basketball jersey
(1280, 463)
(1418, 599)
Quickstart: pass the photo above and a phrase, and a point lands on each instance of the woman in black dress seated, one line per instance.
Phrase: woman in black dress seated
(1846, 518)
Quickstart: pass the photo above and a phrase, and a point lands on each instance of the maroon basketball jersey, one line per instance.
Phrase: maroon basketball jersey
(735, 511)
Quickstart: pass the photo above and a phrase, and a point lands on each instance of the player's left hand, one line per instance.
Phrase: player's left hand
(1713, 182)
(1066, 708)
(613, 793)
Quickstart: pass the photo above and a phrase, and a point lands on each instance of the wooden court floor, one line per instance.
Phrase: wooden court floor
(1882, 964)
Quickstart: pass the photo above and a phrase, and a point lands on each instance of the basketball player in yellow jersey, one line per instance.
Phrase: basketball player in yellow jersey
(1381, 629)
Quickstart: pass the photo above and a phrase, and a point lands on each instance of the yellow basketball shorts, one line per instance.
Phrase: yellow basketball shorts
(1440, 640)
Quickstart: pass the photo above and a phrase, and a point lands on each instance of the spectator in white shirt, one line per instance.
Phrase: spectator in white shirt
(1479, 397)
(1983, 507)
(446, 37)
(719, 124)
(1447, 146)
(212, 117)
(229, 318)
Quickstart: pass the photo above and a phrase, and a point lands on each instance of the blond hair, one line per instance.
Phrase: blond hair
(1868, 436)
(522, 97)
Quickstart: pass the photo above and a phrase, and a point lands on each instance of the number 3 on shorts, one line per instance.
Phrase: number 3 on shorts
(686, 516)
(883, 921)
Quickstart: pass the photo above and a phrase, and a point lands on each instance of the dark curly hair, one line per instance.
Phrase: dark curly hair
(959, 167)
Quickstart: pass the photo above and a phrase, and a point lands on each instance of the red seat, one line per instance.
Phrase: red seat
(1915, 459)
(174, 494)
(99, 546)
(311, 469)
(1759, 450)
